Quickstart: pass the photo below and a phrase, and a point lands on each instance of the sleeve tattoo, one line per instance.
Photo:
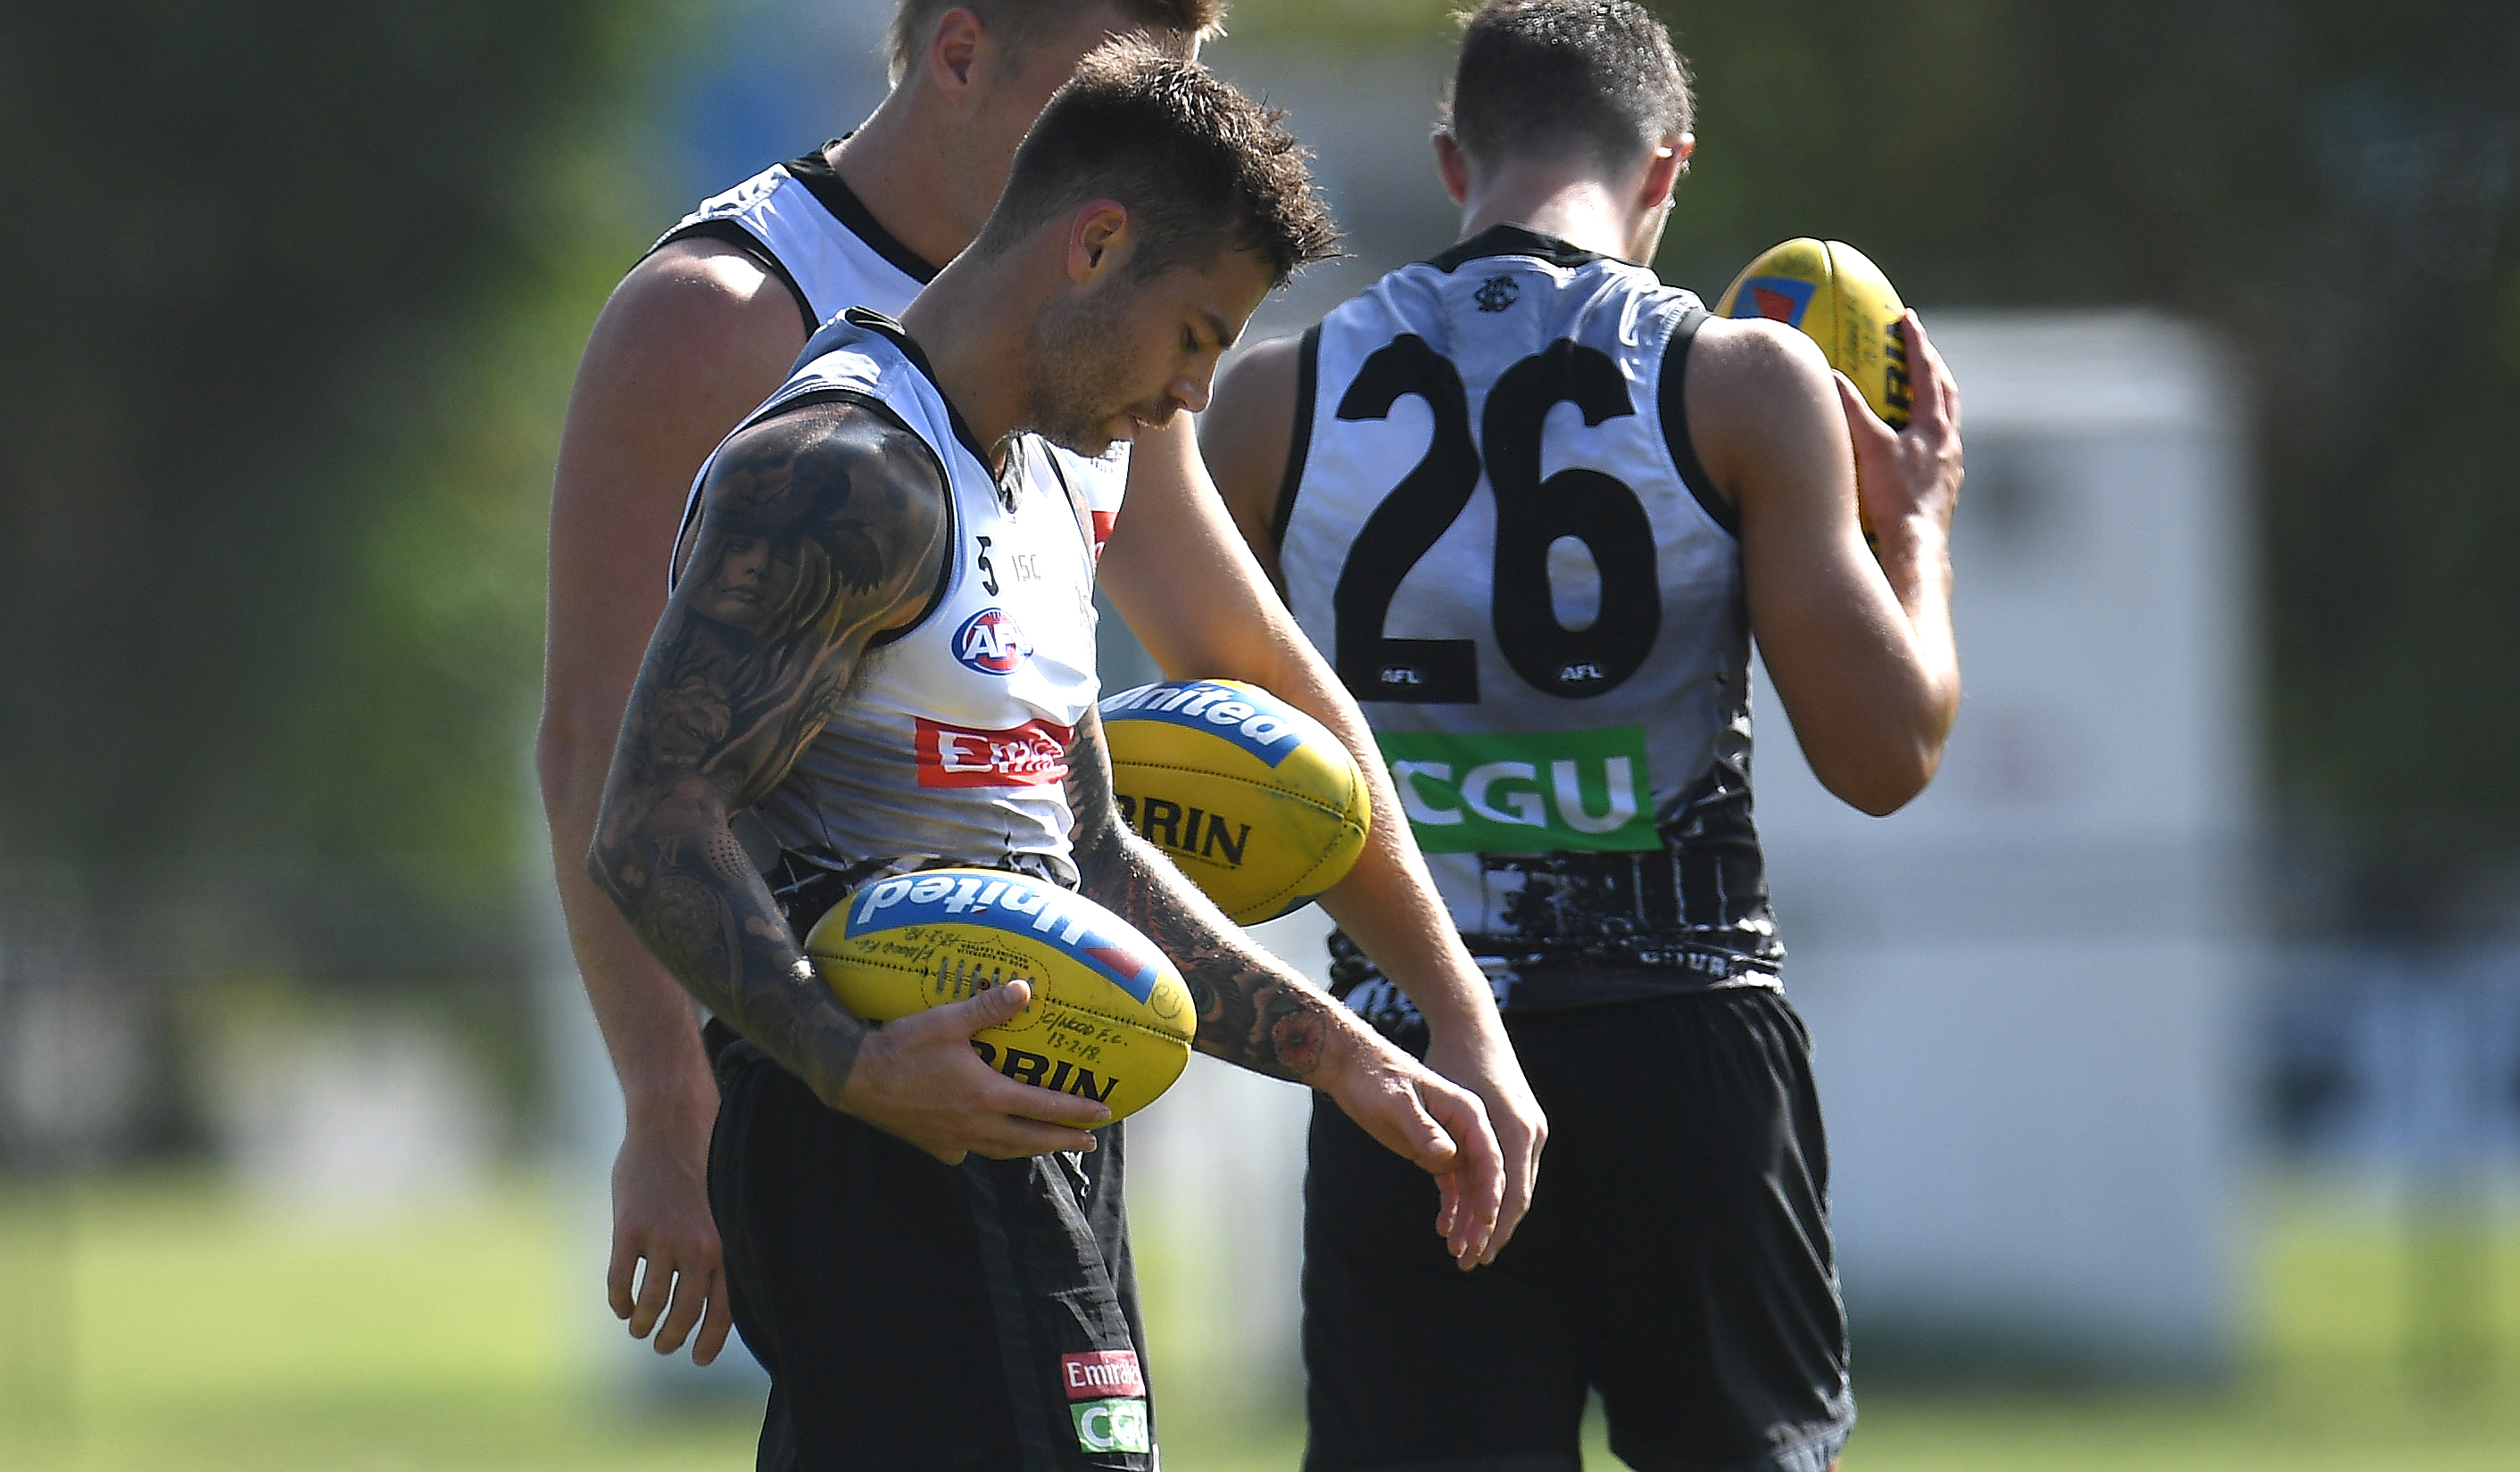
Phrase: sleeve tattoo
(1251, 1010)
(819, 529)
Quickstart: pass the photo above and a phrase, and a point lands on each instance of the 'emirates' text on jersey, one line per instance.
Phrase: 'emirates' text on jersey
(809, 229)
(952, 743)
(1492, 523)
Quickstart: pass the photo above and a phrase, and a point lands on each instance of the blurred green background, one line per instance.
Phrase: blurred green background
(289, 318)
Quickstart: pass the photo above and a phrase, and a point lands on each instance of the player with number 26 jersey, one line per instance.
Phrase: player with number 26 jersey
(1536, 506)
(1493, 521)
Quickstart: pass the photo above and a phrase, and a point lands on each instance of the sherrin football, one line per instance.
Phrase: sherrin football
(1109, 1016)
(1256, 801)
(1840, 301)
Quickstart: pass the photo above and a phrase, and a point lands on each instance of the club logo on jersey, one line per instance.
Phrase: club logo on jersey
(1524, 792)
(1032, 756)
(991, 641)
(1100, 1374)
(1779, 298)
(1112, 1425)
(1497, 293)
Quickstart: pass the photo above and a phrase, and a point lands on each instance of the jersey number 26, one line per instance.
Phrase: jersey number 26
(1531, 514)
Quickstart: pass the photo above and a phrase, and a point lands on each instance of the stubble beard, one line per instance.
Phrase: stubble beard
(1080, 377)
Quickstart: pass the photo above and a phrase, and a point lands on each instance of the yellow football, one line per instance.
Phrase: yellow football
(1109, 1017)
(1256, 801)
(1840, 301)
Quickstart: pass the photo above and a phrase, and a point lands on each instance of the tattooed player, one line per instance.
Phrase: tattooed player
(697, 333)
(923, 1253)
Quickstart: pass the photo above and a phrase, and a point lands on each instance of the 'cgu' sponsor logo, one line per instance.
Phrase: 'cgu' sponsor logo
(1181, 829)
(991, 641)
(1524, 792)
(1112, 1425)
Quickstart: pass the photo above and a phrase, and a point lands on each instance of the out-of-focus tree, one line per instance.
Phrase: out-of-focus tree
(291, 305)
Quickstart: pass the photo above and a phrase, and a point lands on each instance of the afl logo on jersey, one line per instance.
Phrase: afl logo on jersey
(991, 641)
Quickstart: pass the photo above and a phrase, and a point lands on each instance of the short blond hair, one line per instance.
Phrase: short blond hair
(1019, 23)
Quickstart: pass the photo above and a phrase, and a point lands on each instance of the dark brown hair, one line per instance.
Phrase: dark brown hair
(1200, 166)
(1019, 23)
(1553, 77)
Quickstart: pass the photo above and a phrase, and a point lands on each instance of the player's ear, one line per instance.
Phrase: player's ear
(954, 47)
(1669, 161)
(1452, 165)
(1097, 235)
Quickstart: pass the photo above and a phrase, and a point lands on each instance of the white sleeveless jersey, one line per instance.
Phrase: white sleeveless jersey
(951, 744)
(804, 223)
(1492, 523)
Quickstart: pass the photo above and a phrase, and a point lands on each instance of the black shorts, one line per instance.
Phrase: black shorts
(915, 1315)
(1676, 1258)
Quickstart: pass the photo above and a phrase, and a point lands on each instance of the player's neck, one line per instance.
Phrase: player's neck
(1555, 200)
(895, 166)
(967, 324)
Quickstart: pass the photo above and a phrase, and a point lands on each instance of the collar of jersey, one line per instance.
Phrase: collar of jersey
(814, 170)
(876, 321)
(1514, 240)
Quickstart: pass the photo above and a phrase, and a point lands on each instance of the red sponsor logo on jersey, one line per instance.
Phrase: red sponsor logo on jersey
(1102, 1374)
(1032, 756)
(1102, 528)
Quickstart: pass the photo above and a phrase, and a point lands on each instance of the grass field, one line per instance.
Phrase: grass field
(162, 1323)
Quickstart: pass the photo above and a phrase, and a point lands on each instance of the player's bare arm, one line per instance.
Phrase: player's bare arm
(1176, 568)
(693, 337)
(1255, 1012)
(821, 528)
(1861, 649)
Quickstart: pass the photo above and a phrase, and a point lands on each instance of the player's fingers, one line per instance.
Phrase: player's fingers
(655, 1287)
(715, 1325)
(622, 1272)
(1013, 1139)
(1027, 1101)
(1936, 393)
(690, 1297)
(1871, 435)
(989, 1009)
(1479, 1176)
(1521, 1177)
(1448, 1203)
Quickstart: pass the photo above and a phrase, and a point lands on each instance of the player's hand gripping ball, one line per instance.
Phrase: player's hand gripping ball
(1840, 301)
(1256, 801)
(1109, 1016)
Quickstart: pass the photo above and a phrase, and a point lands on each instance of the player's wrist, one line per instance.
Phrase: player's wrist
(674, 1097)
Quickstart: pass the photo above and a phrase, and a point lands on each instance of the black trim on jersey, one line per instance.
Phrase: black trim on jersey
(1513, 240)
(732, 232)
(952, 515)
(814, 170)
(876, 321)
(1671, 400)
(1300, 445)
